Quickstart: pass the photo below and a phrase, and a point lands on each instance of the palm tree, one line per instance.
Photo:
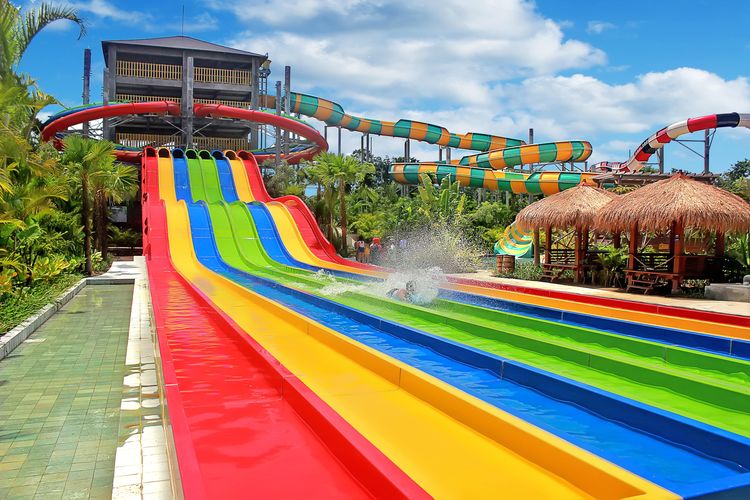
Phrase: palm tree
(17, 30)
(113, 182)
(342, 171)
(84, 158)
(322, 174)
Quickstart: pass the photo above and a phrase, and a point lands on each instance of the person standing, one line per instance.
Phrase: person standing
(360, 250)
(375, 249)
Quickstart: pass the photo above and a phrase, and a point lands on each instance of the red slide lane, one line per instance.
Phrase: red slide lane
(303, 217)
(242, 423)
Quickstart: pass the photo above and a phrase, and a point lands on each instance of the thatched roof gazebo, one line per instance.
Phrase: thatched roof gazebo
(577, 208)
(673, 205)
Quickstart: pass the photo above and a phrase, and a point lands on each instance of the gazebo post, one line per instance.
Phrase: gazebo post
(548, 244)
(536, 246)
(672, 228)
(679, 245)
(617, 239)
(719, 246)
(579, 247)
(584, 251)
(632, 249)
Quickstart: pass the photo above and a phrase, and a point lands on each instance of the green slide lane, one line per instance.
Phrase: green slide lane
(703, 386)
(195, 175)
(210, 176)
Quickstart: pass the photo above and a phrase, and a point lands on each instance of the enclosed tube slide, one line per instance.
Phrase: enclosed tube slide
(333, 114)
(675, 130)
(545, 183)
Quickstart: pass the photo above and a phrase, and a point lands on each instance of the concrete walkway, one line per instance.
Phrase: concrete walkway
(738, 308)
(60, 400)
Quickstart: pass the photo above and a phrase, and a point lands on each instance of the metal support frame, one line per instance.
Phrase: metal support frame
(339, 140)
(187, 110)
(86, 84)
(707, 141)
(287, 103)
(277, 158)
(407, 150)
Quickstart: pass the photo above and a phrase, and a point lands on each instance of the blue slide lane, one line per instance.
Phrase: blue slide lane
(558, 405)
(226, 179)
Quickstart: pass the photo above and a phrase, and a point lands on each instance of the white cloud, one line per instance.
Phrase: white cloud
(598, 27)
(416, 50)
(495, 68)
(107, 10)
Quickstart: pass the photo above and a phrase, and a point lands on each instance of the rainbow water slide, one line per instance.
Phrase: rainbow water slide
(416, 421)
(214, 239)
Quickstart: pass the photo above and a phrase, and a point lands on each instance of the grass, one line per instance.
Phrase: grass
(26, 301)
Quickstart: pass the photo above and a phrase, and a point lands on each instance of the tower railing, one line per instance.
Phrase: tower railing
(158, 71)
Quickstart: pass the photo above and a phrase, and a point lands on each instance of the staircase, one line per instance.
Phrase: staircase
(644, 283)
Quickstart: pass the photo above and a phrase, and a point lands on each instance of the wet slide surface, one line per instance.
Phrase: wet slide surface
(672, 466)
(397, 422)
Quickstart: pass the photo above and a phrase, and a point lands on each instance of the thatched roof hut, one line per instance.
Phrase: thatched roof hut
(679, 199)
(576, 207)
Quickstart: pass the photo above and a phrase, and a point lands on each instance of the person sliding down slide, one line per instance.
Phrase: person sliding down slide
(407, 294)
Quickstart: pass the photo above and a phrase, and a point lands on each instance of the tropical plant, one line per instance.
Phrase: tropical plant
(18, 29)
(84, 158)
(338, 172)
(738, 246)
(443, 203)
(112, 183)
(612, 260)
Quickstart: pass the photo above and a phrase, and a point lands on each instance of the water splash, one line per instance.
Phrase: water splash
(436, 246)
(427, 283)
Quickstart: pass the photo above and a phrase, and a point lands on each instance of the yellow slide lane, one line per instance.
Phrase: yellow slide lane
(296, 245)
(241, 182)
(452, 444)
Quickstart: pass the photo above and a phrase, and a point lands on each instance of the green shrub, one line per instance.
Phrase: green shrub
(525, 271)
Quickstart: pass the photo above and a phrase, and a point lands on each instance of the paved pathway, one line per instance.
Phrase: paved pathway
(60, 397)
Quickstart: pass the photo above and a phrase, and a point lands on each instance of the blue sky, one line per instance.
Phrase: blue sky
(608, 72)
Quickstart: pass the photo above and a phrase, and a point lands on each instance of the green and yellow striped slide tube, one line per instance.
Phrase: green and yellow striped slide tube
(514, 241)
(542, 183)
(333, 114)
(546, 152)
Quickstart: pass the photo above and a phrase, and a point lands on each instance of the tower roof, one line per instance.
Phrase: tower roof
(180, 42)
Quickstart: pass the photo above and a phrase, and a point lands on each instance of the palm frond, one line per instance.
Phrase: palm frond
(36, 19)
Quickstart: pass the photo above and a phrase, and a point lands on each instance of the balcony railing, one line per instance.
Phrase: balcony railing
(178, 100)
(146, 98)
(217, 75)
(143, 140)
(155, 71)
(201, 142)
(234, 143)
(159, 71)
